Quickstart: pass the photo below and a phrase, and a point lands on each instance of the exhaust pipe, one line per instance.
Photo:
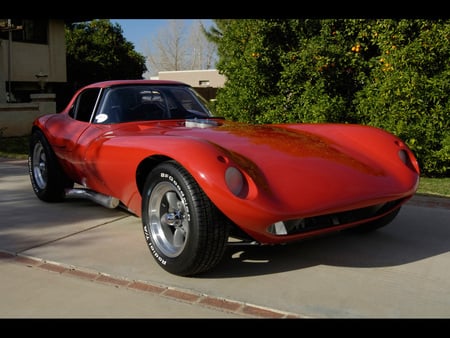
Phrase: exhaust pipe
(104, 200)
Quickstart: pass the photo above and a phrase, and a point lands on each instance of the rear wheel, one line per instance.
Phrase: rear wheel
(47, 178)
(185, 232)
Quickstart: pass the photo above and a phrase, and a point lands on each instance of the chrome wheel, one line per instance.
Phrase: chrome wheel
(47, 177)
(169, 225)
(185, 232)
(39, 166)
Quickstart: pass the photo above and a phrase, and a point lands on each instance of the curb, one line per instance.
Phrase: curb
(220, 304)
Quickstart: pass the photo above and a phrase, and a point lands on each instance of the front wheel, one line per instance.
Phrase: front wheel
(185, 232)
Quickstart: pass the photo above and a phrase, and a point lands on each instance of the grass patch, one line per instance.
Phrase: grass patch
(17, 148)
(434, 186)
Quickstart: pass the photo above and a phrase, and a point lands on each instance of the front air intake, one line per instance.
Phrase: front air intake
(302, 225)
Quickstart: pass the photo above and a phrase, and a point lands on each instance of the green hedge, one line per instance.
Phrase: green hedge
(393, 74)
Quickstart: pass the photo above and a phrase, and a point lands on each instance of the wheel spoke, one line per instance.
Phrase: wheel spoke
(172, 198)
(179, 237)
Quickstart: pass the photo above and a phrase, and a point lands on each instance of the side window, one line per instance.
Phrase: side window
(85, 104)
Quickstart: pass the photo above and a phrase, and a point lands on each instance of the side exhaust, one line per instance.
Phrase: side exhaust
(104, 200)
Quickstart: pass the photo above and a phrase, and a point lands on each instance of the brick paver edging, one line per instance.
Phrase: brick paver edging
(225, 305)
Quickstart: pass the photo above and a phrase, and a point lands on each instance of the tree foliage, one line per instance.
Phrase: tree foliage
(393, 74)
(97, 51)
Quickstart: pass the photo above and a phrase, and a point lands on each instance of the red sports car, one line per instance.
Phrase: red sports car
(200, 182)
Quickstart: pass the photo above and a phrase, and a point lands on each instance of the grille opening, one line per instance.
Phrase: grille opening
(297, 226)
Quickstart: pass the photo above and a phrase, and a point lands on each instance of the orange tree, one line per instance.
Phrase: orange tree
(393, 74)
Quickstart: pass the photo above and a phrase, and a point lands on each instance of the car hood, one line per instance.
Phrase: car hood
(319, 166)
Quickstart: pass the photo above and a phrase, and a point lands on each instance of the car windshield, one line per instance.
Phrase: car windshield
(145, 103)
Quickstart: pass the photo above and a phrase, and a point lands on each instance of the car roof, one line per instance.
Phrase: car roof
(110, 83)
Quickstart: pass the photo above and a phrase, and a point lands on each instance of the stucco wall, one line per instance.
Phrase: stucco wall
(28, 59)
(195, 78)
(16, 118)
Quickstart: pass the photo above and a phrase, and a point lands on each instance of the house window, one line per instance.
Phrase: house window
(25, 30)
(203, 83)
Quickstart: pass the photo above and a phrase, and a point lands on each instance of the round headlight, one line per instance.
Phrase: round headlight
(234, 180)
(403, 156)
(408, 160)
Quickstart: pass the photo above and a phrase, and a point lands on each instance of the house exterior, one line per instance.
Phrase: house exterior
(206, 82)
(32, 61)
(32, 64)
(195, 78)
(33, 67)
(32, 52)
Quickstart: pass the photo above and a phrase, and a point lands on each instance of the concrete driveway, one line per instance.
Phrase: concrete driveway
(400, 271)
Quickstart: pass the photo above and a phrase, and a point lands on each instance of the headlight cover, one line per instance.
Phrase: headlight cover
(235, 181)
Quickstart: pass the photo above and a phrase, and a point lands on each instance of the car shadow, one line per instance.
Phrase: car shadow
(417, 233)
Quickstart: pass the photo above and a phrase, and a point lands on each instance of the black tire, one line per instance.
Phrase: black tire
(185, 232)
(374, 225)
(47, 178)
